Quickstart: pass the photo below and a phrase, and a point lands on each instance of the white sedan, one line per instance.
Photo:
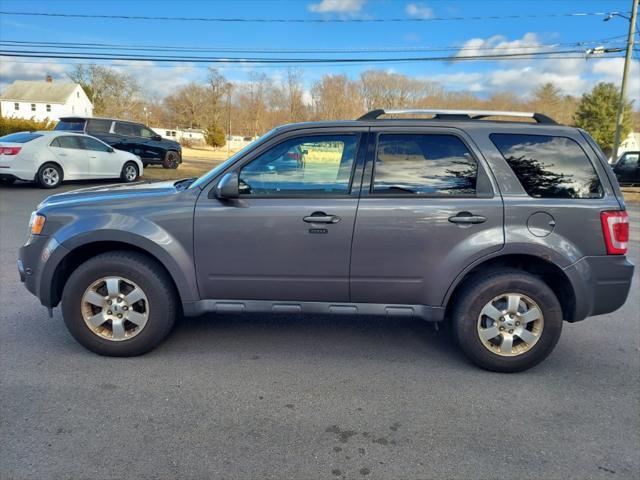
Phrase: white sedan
(48, 158)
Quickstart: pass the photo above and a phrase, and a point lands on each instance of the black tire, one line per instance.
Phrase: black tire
(49, 175)
(171, 160)
(135, 267)
(126, 175)
(483, 288)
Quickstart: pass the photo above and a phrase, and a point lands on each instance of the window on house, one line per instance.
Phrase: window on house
(48, 108)
(16, 106)
(33, 107)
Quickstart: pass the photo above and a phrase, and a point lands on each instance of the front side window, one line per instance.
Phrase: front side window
(146, 133)
(67, 142)
(549, 166)
(95, 145)
(424, 164)
(629, 160)
(313, 165)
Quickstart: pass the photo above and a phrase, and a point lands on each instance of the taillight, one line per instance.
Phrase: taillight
(10, 150)
(615, 226)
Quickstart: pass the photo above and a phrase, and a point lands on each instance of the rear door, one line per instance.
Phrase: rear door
(427, 210)
(71, 153)
(288, 236)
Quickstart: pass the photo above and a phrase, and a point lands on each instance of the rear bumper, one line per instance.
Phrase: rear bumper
(601, 284)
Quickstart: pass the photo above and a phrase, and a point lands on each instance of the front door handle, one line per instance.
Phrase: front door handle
(321, 217)
(467, 217)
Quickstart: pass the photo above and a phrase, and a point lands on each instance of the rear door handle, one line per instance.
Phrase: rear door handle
(466, 217)
(321, 217)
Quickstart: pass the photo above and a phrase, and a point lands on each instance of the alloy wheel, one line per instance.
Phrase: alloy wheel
(115, 308)
(510, 324)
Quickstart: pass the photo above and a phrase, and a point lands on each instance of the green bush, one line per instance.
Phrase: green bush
(12, 125)
(215, 136)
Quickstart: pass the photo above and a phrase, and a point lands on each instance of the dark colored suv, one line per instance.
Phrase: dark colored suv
(129, 136)
(627, 168)
(503, 229)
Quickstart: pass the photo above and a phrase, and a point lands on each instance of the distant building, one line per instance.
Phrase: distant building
(194, 136)
(237, 142)
(630, 144)
(44, 100)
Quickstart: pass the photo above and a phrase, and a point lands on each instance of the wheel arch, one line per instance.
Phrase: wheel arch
(84, 251)
(550, 273)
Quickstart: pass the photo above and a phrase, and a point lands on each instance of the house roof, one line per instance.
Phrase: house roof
(30, 91)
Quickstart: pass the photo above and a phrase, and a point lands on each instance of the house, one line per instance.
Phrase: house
(630, 144)
(44, 100)
(193, 136)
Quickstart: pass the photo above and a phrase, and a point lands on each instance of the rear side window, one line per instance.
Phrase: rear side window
(98, 126)
(21, 137)
(127, 129)
(424, 164)
(68, 142)
(71, 125)
(549, 166)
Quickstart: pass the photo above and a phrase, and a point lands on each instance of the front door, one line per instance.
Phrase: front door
(288, 236)
(426, 212)
(102, 161)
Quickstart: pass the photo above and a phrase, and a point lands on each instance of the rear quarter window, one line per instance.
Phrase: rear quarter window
(98, 126)
(549, 166)
(21, 137)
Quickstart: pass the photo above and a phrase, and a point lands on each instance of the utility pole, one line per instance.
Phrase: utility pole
(625, 74)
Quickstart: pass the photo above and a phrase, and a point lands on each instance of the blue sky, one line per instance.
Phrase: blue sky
(573, 76)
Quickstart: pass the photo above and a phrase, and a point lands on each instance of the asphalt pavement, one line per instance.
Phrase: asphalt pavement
(244, 397)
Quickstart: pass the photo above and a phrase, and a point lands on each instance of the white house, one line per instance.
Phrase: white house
(42, 100)
(195, 136)
(630, 144)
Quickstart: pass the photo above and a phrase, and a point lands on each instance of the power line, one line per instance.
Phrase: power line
(285, 61)
(129, 47)
(313, 20)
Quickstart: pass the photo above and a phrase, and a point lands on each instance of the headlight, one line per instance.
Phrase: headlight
(36, 223)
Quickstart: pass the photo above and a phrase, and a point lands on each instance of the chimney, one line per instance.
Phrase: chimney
(49, 79)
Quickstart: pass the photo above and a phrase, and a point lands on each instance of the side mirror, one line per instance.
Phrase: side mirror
(228, 186)
(111, 150)
(156, 138)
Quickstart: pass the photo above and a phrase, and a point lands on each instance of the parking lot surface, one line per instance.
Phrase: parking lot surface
(241, 397)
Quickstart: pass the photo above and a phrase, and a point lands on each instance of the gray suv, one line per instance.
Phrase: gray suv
(504, 229)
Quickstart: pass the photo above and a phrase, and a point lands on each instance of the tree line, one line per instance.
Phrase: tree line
(252, 107)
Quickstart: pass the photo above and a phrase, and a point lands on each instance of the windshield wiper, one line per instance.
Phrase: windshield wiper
(185, 182)
(402, 189)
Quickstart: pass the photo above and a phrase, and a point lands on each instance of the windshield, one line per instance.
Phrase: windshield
(206, 178)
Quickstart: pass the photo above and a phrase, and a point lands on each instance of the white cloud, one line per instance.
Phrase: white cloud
(337, 6)
(498, 44)
(11, 70)
(419, 10)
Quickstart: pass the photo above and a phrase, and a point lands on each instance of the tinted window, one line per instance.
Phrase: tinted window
(128, 129)
(424, 164)
(68, 142)
(95, 145)
(629, 160)
(21, 137)
(549, 166)
(73, 125)
(307, 165)
(146, 133)
(98, 126)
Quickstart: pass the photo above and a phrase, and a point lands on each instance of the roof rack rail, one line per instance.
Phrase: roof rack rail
(457, 114)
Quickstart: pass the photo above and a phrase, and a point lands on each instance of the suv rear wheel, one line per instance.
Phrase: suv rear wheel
(507, 321)
(119, 304)
(171, 159)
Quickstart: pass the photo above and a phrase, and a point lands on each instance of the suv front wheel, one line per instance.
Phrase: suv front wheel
(119, 304)
(507, 320)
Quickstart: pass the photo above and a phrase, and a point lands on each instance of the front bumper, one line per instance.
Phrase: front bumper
(37, 262)
(601, 284)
